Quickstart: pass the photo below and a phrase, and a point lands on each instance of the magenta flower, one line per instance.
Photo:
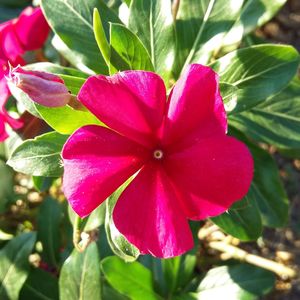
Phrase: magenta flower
(28, 32)
(43, 88)
(185, 165)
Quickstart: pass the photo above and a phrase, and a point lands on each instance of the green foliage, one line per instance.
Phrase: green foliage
(237, 282)
(80, 275)
(14, 265)
(73, 23)
(242, 220)
(118, 243)
(130, 279)
(201, 27)
(152, 22)
(40, 156)
(258, 72)
(40, 285)
(274, 121)
(261, 97)
(49, 234)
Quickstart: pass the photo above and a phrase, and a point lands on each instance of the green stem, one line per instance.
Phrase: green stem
(77, 233)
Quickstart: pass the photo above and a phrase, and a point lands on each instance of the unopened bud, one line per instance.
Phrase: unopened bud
(43, 88)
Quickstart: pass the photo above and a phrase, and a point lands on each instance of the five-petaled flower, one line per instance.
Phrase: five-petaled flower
(28, 32)
(184, 164)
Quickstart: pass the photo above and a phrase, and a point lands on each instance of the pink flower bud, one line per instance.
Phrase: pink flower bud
(43, 88)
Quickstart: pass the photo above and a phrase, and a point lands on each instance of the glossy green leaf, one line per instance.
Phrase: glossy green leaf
(276, 121)
(48, 225)
(80, 275)
(40, 285)
(152, 22)
(118, 243)
(6, 185)
(258, 72)
(126, 51)
(253, 14)
(266, 187)
(237, 282)
(14, 265)
(100, 36)
(73, 23)
(110, 293)
(229, 95)
(65, 120)
(201, 26)
(131, 279)
(242, 220)
(171, 267)
(39, 156)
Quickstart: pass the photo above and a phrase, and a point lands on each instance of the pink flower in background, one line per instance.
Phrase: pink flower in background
(185, 165)
(28, 32)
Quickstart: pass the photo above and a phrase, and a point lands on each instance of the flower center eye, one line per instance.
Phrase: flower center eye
(158, 154)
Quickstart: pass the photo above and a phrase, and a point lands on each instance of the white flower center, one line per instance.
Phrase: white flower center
(158, 154)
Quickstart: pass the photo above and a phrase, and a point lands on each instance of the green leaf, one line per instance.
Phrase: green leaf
(118, 243)
(40, 285)
(266, 186)
(242, 220)
(93, 221)
(171, 268)
(201, 26)
(253, 14)
(65, 120)
(229, 94)
(100, 36)
(131, 279)
(152, 22)
(80, 275)
(73, 23)
(268, 189)
(127, 51)
(48, 224)
(275, 121)
(42, 184)
(6, 186)
(237, 282)
(14, 265)
(39, 156)
(258, 72)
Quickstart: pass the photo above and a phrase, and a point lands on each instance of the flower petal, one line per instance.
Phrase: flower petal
(211, 175)
(3, 132)
(31, 28)
(149, 216)
(10, 47)
(194, 102)
(131, 103)
(96, 162)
